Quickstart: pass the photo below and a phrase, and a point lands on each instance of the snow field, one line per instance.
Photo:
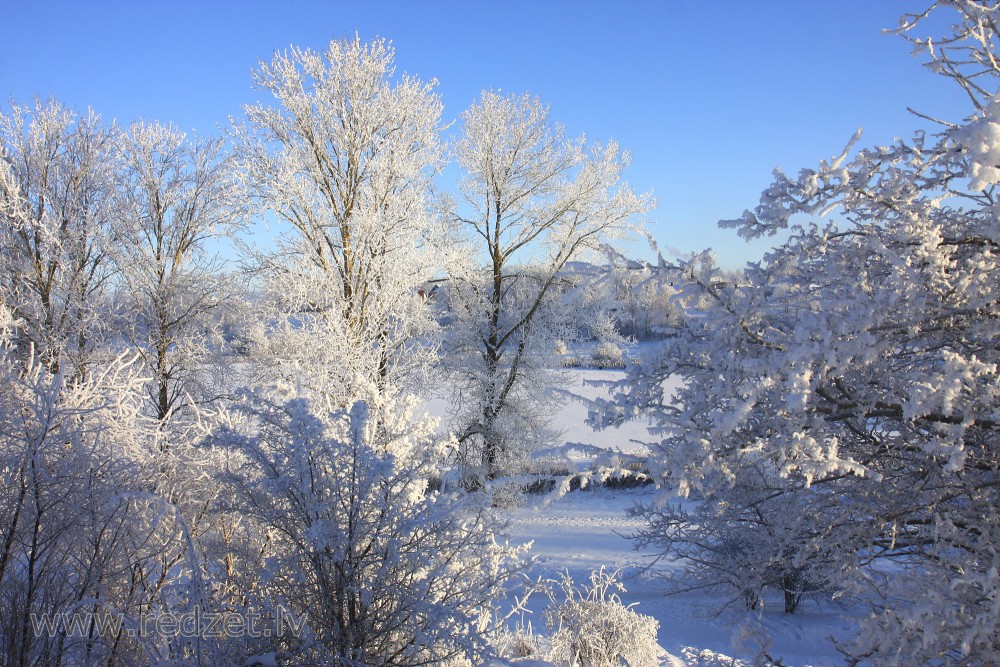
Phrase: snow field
(583, 531)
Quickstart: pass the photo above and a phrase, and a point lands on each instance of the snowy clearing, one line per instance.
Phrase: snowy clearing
(571, 418)
(585, 530)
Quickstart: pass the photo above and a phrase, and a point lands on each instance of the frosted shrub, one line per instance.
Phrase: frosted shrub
(517, 643)
(381, 570)
(94, 512)
(608, 355)
(592, 628)
(507, 495)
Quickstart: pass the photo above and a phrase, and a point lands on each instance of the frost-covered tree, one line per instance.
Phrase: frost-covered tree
(58, 178)
(96, 524)
(380, 569)
(856, 366)
(177, 193)
(101, 511)
(644, 302)
(532, 200)
(746, 542)
(344, 158)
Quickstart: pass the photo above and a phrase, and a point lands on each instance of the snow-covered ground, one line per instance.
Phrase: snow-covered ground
(571, 418)
(583, 531)
(572, 415)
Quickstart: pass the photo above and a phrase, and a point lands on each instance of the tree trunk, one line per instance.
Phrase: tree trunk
(792, 594)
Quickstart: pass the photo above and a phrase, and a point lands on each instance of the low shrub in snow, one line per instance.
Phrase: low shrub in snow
(608, 355)
(592, 628)
(518, 643)
(507, 494)
(380, 570)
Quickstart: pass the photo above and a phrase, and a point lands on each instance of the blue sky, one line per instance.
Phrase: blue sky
(708, 96)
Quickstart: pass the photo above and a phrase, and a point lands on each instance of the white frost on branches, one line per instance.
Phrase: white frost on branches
(344, 159)
(840, 403)
(382, 569)
(593, 628)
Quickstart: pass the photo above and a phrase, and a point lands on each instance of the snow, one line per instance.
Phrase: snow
(571, 417)
(584, 530)
(264, 660)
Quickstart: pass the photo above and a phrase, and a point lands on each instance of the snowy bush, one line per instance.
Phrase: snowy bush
(519, 642)
(89, 490)
(592, 628)
(550, 465)
(608, 355)
(743, 542)
(381, 570)
(507, 494)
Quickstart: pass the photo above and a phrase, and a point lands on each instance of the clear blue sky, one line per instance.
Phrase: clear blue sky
(708, 96)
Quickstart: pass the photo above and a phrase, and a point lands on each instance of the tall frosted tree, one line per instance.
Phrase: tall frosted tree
(177, 193)
(344, 158)
(532, 201)
(58, 178)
